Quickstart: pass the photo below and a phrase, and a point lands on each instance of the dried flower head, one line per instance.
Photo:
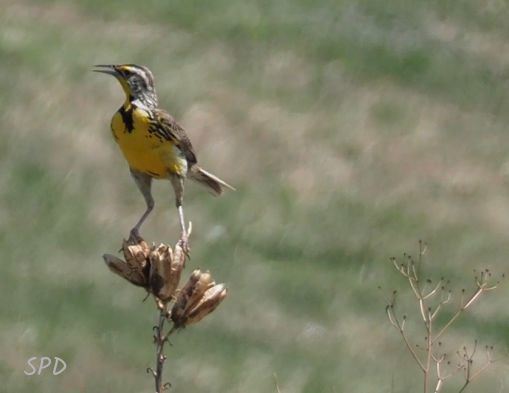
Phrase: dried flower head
(198, 298)
(208, 303)
(165, 268)
(156, 268)
(120, 267)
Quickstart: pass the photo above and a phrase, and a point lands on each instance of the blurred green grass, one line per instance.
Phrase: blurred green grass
(351, 130)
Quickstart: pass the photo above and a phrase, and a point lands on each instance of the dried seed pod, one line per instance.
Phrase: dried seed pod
(120, 267)
(183, 296)
(208, 303)
(162, 280)
(190, 295)
(204, 282)
(136, 254)
(177, 265)
(157, 271)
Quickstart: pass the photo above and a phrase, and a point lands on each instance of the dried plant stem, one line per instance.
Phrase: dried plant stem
(429, 332)
(430, 303)
(468, 361)
(482, 287)
(160, 338)
(158, 270)
(160, 357)
(440, 377)
(401, 328)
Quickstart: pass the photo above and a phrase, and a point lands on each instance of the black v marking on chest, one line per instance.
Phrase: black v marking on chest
(127, 118)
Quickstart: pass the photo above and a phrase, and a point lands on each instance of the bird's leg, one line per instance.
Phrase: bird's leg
(178, 186)
(135, 231)
(184, 238)
(144, 183)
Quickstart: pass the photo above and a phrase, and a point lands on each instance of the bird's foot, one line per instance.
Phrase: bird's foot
(134, 236)
(184, 244)
(184, 239)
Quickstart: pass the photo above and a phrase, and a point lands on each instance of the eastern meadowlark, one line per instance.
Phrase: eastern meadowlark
(153, 143)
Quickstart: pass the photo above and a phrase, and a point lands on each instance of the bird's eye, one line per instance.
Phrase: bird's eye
(125, 71)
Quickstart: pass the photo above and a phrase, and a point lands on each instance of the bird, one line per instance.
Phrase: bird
(153, 143)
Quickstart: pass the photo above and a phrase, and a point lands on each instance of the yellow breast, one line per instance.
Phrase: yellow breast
(145, 151)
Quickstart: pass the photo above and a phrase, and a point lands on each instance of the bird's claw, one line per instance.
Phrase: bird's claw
(184, 239)
(134, 236)
(184, 244)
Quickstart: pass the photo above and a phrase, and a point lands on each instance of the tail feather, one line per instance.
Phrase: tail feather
(213, 183)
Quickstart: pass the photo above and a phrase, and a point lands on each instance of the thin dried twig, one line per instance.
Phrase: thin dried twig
(160, 339)
(401, 328)
(431, 299)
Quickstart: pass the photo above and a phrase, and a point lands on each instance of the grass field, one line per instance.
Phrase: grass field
(350, 129)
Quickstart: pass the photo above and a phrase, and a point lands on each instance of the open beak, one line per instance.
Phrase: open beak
(106, 69)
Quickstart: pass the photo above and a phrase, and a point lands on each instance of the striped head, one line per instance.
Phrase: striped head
(137, 82)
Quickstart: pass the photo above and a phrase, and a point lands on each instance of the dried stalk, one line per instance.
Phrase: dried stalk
(158, 269)
(160, 339)
(425, 297)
